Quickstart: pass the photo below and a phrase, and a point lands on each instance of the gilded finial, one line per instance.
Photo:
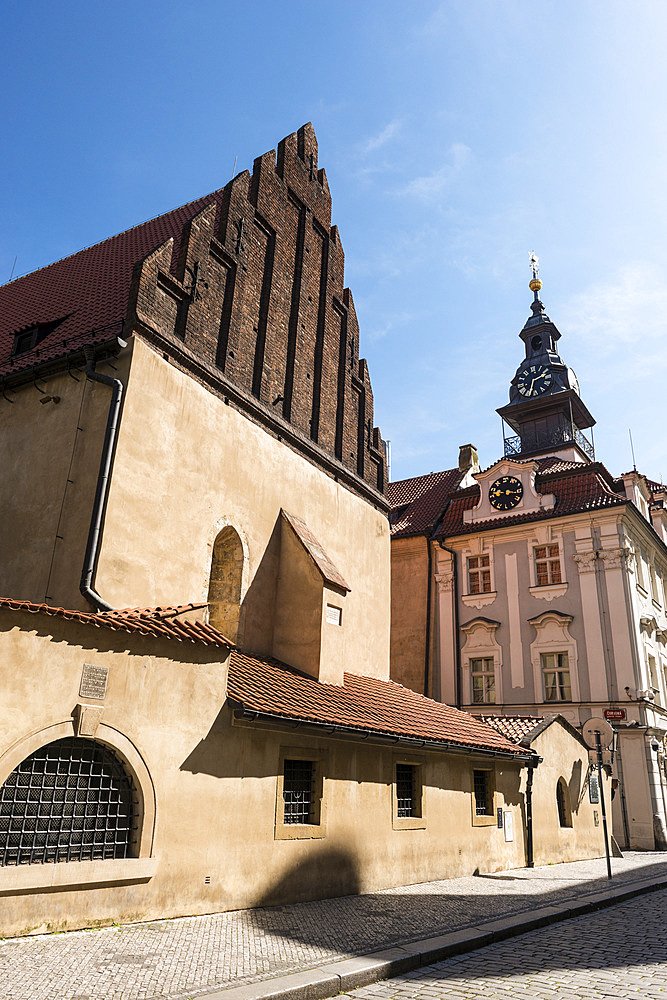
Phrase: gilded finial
(535, 284)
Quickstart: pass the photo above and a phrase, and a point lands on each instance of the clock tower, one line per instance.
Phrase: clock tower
(545, 411)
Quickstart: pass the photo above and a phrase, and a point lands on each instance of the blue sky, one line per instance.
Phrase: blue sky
(456, 137)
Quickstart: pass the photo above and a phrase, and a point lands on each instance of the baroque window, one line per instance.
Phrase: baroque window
(547, 565)
(479, 575)
(71, 800)
(556, 676)
(483, 680)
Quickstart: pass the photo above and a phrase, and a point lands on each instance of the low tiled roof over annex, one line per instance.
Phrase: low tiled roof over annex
(362, 704)
(514, 727)
(416, 504)
(160, 622)
(85, 294)
(577, 487)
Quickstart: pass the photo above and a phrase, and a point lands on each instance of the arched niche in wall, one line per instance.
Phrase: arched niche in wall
(226, 582)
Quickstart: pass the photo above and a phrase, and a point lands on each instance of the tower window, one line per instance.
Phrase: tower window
(479, 575)
(547, 565)
(536, 343)
(69, 801)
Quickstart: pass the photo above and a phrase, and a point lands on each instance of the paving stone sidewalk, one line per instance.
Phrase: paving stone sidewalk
(191, 956)
(618, 953)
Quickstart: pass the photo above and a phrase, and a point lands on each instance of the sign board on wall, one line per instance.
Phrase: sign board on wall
(614, 714)
(508, 825)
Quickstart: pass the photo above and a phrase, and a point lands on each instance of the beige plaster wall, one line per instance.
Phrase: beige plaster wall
(215, 791)
(187, 464)
(564, 756)
(409, 590)
(49, 456)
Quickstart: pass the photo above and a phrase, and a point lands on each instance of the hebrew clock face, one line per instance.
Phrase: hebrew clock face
(534, 380)
(505, 493)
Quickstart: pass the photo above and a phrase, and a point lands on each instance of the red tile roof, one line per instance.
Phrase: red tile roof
(416, 504)
(362, 703)
(160, 622)
(88, 291)
(577, 488)
(514, 727)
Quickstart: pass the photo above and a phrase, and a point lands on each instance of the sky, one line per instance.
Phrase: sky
(457, 137)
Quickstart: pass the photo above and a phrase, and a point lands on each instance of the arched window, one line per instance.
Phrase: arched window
(225, 585)
(563, 802)
(71, 800)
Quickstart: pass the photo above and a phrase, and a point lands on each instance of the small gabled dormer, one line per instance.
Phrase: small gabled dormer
(637, 490)
(506, 489)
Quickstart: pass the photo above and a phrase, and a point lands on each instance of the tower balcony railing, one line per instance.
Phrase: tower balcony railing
(556, 437)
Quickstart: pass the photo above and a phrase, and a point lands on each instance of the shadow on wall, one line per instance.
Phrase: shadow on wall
(330, 872)
(257, 611)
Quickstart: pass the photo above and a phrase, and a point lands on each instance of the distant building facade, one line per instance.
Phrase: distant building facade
(539, 582)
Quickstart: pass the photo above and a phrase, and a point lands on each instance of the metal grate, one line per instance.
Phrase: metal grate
(482, 797)
(298, 793)
(406, 791)
(69, 801)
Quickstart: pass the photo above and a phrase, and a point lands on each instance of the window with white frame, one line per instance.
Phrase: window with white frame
(483, 681)
(641, 568)
(547, 565)
(556, 676)
(479, 575)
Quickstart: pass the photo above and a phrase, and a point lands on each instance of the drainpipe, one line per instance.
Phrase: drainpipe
(457, 644)
(102, 489)
(529, 818)
(429, 587)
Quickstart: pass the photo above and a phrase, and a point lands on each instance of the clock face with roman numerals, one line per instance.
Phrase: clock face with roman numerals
(534, 380)
(505, 493)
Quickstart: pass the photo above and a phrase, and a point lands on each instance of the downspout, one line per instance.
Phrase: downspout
(102, 489)
(529, 818)
(429, 589)
(457, 644)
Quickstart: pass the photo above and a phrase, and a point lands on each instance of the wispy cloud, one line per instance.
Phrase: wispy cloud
(384, 136)
(431, 186)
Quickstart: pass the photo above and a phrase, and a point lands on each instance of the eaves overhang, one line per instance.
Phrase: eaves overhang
(272, 721)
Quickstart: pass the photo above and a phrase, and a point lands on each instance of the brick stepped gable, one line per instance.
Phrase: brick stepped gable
(270, 310)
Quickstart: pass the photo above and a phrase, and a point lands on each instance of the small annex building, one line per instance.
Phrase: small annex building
(196, 712)
(562, 794)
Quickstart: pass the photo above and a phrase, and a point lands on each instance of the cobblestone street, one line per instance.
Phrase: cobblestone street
(620, 952)
(191, 956)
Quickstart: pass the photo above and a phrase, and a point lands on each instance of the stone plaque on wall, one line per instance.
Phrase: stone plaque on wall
(93, 681)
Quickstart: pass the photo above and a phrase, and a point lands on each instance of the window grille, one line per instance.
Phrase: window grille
(479, 575)
(547, 565)
(69, 801)
(406, 791)
(482, 790)
(483, 679)
(298, 791)
(556, 673)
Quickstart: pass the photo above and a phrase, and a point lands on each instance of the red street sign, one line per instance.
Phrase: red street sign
(618, 714)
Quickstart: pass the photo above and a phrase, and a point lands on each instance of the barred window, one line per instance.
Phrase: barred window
(483, 681)
(69, 801)
(407, 791)
(298, 791)
(556, 674)
(547, 565)
(482, 792)
(479, 575)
